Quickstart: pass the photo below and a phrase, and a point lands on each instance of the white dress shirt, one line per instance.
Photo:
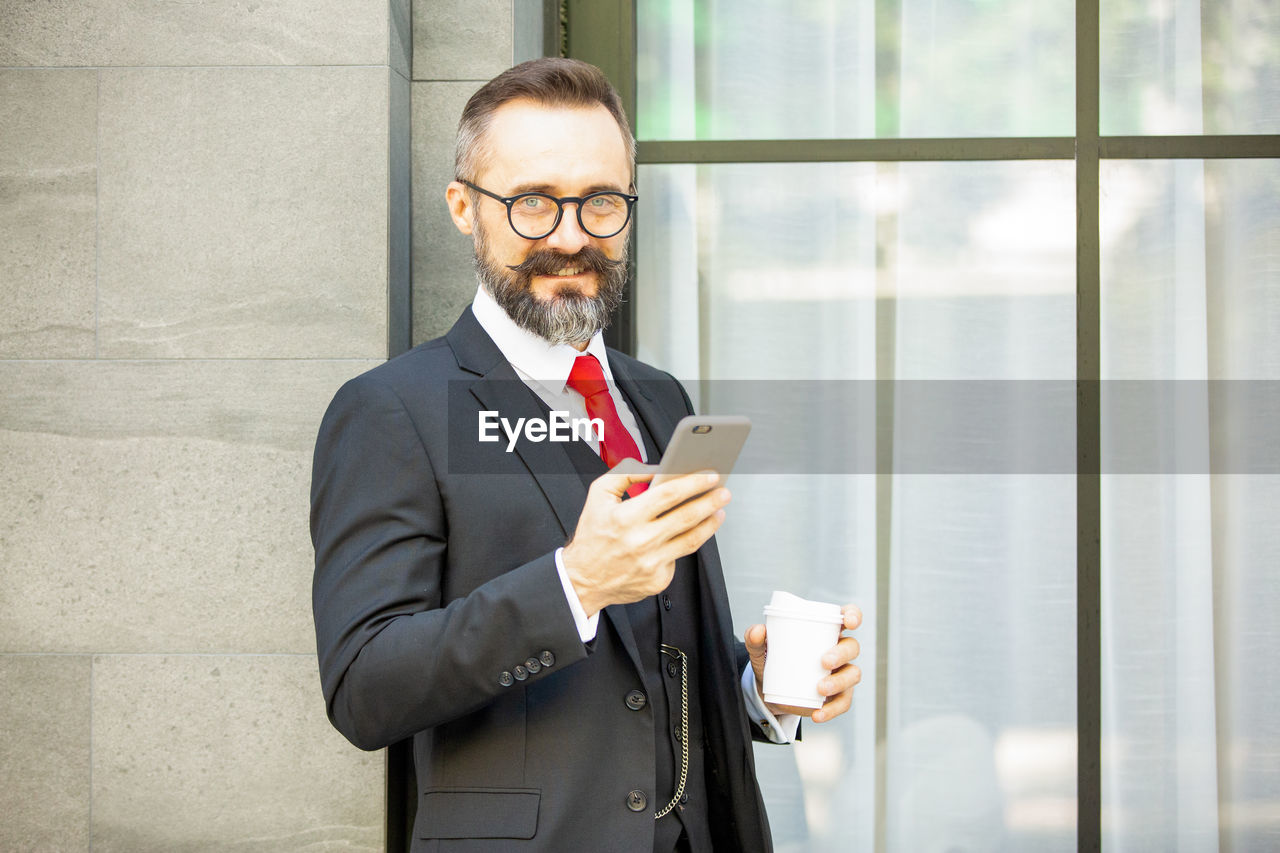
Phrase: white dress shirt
(545, 367)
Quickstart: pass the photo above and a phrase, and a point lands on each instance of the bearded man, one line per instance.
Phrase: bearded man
(553, 636)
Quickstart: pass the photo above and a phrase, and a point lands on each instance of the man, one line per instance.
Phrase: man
(554, 637)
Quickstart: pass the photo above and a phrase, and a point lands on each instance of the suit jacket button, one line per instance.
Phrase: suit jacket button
(547, 659)
(505, 679)
(519, 672)
(532, 665)
(636, 700)
(636, 801)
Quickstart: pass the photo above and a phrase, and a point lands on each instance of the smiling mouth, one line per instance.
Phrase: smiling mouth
(567, 271)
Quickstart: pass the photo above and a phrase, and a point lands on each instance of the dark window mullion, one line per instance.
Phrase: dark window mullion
(604, 34)
(669, 152)
(1188, 147)
(855, 150)
(1088, 435)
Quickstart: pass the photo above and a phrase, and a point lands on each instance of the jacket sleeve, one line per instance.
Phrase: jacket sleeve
(395, 658)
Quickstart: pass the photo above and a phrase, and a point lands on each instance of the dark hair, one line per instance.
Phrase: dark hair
(550, 81)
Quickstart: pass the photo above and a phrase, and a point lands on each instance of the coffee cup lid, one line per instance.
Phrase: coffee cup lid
(786, 604)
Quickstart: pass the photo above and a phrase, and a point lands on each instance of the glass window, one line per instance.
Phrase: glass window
(1187, 66)
(822, 297)
(857, 280)
(1191, 311)
(758, 69)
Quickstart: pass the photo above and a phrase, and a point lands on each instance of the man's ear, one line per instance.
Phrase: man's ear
(461, 210)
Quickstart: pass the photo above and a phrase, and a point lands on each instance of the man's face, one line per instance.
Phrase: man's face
(564, 286)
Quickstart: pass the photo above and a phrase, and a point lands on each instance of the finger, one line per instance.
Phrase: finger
(691, 540)
(671, 493)
(692, 513)
(834, 707)
(843, 679)
(852, 616)
(841, 653)
(679, 528)
(622, 476)
(755, 642)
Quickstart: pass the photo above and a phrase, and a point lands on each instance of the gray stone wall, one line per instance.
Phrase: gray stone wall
(203, 231)
(457, 46)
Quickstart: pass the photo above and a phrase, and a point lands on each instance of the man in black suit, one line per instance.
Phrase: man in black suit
(555, 638)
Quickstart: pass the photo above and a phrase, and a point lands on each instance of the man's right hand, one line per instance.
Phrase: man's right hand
(623, 551)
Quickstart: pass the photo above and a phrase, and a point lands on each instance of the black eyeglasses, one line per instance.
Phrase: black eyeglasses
(535, 215)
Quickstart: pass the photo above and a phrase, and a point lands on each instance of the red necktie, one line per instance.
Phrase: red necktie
(587, 378)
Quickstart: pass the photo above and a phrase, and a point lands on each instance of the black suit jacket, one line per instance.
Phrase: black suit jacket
(435, 577)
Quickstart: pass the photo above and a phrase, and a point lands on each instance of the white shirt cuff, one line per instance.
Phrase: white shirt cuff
(586, 624)
(779, 729)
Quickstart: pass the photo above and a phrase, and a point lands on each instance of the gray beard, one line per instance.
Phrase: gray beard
(570, 317)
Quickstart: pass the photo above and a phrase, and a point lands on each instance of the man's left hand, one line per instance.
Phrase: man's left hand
(837, 687)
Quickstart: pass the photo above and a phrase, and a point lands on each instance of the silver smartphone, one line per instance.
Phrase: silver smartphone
(703, 443)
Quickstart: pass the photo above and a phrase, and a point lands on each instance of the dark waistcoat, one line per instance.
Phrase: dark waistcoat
(667, 618)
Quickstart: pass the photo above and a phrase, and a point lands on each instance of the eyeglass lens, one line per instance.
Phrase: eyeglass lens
(534, 216)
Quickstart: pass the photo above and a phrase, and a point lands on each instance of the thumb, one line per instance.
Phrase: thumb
(756, 644)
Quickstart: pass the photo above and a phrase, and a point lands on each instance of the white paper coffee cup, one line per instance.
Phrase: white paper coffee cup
(798, 633)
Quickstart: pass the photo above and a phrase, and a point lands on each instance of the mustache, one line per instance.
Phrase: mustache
(549, 263)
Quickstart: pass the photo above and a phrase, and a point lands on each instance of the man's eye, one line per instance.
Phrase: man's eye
(532, 202)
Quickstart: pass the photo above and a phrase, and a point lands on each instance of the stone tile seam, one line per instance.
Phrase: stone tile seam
(92, 655)
(97, 226)
(346, 359)
(92, 668)
(184, 67)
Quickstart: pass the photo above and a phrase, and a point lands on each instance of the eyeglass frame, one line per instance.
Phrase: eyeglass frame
(509, 202)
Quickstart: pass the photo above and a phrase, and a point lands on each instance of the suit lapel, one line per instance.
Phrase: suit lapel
(498, 388)
(659, 422)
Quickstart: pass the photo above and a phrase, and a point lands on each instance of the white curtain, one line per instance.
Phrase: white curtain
(1191, 300)
(1191, 307)
(776, 282)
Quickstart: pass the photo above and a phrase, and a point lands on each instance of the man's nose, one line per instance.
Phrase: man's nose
(568, 236)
